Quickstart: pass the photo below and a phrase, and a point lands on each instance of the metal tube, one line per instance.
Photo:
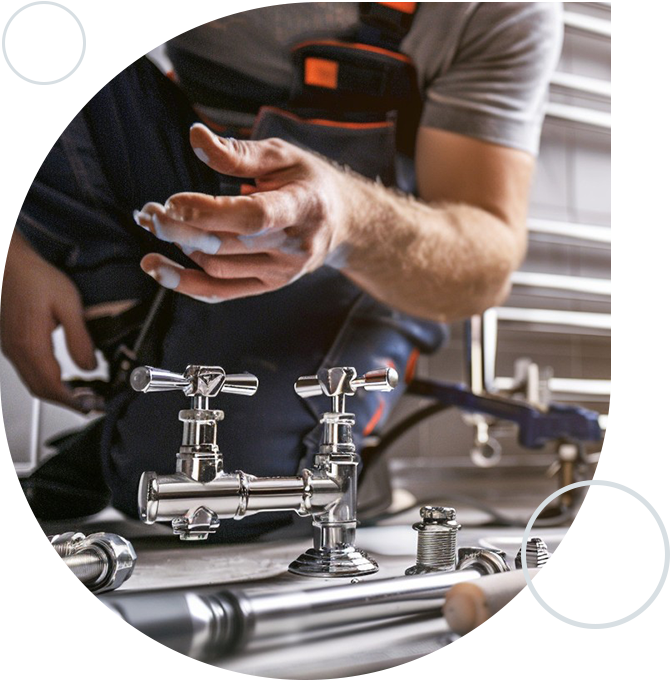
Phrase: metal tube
(207, 624)
(164, 497)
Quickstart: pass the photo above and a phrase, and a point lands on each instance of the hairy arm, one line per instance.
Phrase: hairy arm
(451, 255)
(443, 258)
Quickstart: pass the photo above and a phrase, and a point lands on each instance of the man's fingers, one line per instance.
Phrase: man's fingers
(152, 217)
(197, 284)
(255, 214)
(78, 340)
(40, 370)
(242, 158)
(248, 189)
(262, 266)
(274, 241)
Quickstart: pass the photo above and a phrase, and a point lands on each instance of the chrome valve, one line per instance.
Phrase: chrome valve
(199, 457)
(201, 493)
(334, 552)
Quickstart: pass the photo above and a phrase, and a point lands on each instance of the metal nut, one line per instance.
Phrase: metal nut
(484, 560)
(119, 555)
(436, 513)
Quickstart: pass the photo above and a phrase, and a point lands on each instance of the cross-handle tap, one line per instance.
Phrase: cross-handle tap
(199, 456)
(201, 493)
(341, 382)
(197, 382)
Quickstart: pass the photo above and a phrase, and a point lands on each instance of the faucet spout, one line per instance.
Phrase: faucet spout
(188, 503)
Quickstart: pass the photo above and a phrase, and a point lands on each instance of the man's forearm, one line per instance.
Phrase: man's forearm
(442, 261)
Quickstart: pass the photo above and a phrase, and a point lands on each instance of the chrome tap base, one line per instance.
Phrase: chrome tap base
(328, 563)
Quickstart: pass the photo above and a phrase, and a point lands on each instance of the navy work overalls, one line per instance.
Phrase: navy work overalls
(129, 145)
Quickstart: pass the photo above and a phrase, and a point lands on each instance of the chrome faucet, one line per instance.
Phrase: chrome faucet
(201, 493)
(199, 459)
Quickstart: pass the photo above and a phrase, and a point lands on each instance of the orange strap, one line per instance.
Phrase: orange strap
(321, 72)
(404, 7)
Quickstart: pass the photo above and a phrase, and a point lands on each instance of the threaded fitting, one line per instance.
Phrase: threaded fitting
(100, 561)
(537, 554)
(66, 543)
(88, 566)
(436, 540)
(437, 550)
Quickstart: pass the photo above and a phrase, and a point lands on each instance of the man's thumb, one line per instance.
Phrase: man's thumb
(238, 157)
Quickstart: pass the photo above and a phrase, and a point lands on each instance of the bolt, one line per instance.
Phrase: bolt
(436, 541)
(537, 554)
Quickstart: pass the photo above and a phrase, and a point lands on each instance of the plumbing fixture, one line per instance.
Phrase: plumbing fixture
(101, 561)
(483, 560)
(201, 493)
(537, 554)
(436, 540)
(208, 624)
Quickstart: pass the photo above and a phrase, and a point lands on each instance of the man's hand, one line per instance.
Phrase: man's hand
(36, 298)
(444, 259)
(285, 226)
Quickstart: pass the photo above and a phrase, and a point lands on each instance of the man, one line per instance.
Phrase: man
(282, 261)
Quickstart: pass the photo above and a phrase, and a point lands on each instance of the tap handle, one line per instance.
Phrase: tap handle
(343, 381)
(244, 384)
(149, 379)
(197, 381)
(378, 380)
(308, 386)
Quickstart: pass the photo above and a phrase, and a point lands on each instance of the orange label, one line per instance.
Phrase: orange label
(321, 72)
(404, 7)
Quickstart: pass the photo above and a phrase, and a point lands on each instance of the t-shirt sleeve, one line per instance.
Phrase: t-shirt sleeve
(495, 88)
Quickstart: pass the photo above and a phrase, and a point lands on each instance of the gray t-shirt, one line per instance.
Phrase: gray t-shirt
(483, 67)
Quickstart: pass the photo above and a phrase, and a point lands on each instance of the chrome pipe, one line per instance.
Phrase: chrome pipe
(574, 284)
(207, 624)
(590, 233)
(161, 498)
(553, 317)
(584, 23)
(578, 114)
(200, 494)
(572, 386)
